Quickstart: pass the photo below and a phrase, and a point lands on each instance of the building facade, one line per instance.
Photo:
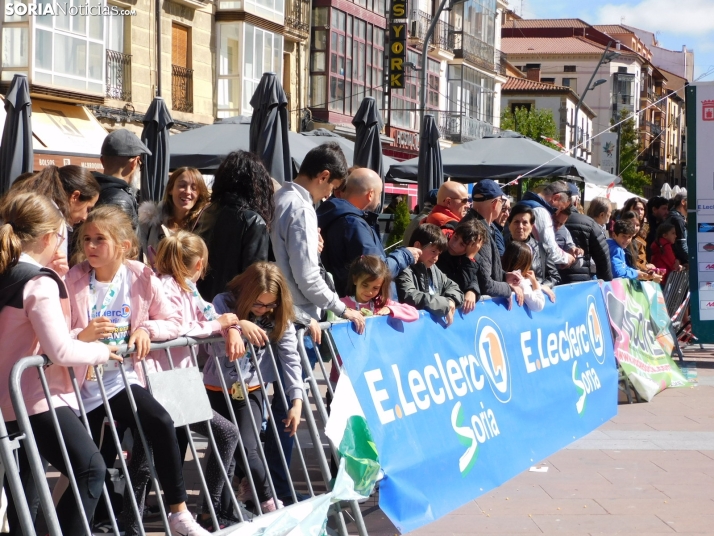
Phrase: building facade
(464, 70)
(561, 101)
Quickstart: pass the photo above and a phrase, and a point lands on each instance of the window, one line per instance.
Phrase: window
(569, 69)
(262, 52)
(572, 83)
(70, 51)
(115, 33)
(269, 9)
(405, 102)
(622, 70)
(347, 63)
(471, 96)
(548, 80)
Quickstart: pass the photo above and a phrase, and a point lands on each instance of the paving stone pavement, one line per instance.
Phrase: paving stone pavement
(649, 470)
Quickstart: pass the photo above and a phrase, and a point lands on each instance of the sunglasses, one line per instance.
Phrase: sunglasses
(259, 305)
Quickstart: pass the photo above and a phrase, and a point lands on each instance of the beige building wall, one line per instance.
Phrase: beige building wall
(140, 43)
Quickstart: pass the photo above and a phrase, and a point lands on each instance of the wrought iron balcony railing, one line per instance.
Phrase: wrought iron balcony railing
(443, 32)
(297, 17)
(181, 89)
(118, 75)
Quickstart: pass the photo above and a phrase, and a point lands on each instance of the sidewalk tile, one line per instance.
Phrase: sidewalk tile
(625, 524)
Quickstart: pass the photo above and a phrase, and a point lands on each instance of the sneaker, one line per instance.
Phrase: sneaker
(244, 494)
(183, 524)
(270, 505)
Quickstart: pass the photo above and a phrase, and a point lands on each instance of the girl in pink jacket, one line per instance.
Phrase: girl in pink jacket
(181, 260)
(119, 301)
(35, 319)
(368, 285)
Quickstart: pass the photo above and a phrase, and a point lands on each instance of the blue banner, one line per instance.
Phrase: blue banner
(457, 411)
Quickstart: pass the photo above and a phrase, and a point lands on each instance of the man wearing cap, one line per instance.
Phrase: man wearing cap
(553, 197)
(121, 158)
(487, 202)
(452, 203)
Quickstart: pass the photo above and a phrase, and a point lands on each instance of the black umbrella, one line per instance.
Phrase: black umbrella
(368, 147)
(430, 173)
(16, 156)
(269, 128)
(155, 170)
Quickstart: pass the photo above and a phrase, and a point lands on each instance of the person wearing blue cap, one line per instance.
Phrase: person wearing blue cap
(121, 157)
(487, 202)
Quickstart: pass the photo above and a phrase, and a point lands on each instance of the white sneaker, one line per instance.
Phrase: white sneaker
(183, 524)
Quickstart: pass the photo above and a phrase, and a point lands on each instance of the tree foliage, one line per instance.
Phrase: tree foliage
(533, 124)
(632, 179)
(400, 223)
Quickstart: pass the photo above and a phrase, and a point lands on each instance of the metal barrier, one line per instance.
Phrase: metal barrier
(311, 395)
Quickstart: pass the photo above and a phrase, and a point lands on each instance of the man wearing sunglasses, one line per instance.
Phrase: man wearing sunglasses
(452, 203)
(553, 197)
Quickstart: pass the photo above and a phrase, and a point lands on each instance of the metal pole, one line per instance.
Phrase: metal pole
(582, 98)
(158, 48)
(424, 63)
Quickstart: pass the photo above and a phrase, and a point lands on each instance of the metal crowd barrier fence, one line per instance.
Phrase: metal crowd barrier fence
(172, 399)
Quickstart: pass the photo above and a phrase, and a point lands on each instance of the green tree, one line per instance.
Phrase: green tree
(400, 223)
(632, 179)
(533, 124)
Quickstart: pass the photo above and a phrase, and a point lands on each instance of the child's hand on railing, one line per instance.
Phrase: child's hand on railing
(227, 320)
(293, 420)
(98, 328)
(113, 349)
(142, 342)
(255, 335)
(235, 347)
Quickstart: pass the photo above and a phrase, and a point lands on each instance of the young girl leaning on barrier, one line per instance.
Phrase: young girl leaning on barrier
(261, 298)
(119, 301)
(368, 290)
(181, 260)
(35, 319)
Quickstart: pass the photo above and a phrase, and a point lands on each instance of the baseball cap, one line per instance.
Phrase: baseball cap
(574, 190)
(123, 142)
(486, 189)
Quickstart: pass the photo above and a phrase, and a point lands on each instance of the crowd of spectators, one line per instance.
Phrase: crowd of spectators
(269, 259)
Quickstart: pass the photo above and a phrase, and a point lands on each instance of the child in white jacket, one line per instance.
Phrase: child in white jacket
(517, 258)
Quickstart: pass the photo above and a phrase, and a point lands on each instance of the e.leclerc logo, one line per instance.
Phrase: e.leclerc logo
(595, 331)
(491, 352)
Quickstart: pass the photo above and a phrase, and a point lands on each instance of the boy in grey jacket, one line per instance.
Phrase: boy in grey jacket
(423, 285)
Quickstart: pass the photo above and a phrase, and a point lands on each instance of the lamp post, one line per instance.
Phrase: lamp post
(606, 57)
(425, 55)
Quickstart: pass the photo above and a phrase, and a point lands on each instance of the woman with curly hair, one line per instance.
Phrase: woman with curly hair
(185, 199)
(236, 226)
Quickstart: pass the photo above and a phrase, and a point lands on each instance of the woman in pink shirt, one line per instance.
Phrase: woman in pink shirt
(35, 319)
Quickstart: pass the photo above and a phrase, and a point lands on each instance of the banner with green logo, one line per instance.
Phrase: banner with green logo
(456, 411)
(643, 339)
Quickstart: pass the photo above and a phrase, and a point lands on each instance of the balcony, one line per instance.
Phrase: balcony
(459, 128)
(443, 37)
(478, 53)
(118, 76)
(297, 18)
(181, 89)
(652, 128)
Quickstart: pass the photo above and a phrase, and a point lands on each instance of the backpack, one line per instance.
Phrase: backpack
(12, 283)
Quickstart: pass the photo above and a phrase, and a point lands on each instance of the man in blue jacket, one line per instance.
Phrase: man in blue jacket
(348, 224)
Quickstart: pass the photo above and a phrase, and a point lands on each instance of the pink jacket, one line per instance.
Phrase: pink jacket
(401, 311)
(151, 309)
(42, 326)
(195, 324)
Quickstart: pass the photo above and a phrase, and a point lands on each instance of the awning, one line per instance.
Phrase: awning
(65, 134)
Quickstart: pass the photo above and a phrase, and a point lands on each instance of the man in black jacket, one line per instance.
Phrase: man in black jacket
(487, 202)
(121, 158)
(589, 237)
(678, 218)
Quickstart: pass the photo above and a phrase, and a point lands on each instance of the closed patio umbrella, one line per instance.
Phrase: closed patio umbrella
(155, 170)
(368, 146)
(269, 128)
(16, 155)
(430, 173)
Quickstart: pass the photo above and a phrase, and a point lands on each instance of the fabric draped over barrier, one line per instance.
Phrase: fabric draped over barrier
(478, 402)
